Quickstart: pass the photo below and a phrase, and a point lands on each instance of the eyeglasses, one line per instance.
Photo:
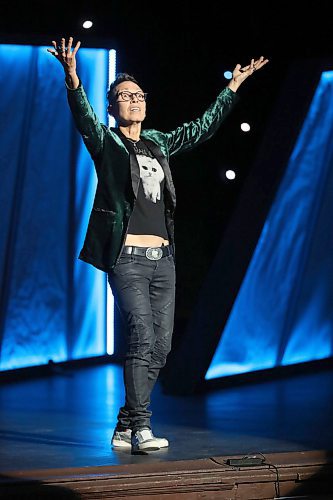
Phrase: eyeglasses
(125, 95)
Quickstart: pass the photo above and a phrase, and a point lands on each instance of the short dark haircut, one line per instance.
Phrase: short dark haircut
(120, 77)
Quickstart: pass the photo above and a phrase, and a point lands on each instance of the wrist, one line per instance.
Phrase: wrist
(72, 79)
(70, 73)
(233, 85)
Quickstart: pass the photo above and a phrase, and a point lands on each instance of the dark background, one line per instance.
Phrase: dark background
(179, 52)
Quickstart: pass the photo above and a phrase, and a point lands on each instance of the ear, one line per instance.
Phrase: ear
(110, 110)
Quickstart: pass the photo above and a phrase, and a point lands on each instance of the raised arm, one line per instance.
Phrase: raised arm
(195, 132)
(86, 121)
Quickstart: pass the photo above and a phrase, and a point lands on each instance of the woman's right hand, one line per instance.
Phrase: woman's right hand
(65, 54)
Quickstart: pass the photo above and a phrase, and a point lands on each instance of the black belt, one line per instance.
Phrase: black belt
(152, 253)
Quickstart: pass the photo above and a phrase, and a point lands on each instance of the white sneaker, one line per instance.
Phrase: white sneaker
(122, 439)
(144, 440)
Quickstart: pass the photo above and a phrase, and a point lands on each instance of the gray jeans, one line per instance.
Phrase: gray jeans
(144, 291)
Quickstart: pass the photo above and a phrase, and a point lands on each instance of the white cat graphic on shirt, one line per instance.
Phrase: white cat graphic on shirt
(151, 174)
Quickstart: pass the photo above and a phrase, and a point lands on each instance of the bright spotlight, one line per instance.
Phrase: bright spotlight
(227, 75)
(245, 127)
(87, 24)
(230, 174)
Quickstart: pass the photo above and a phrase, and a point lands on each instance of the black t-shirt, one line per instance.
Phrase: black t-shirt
(148, 216)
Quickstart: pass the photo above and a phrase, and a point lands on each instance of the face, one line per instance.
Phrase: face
(127, 112)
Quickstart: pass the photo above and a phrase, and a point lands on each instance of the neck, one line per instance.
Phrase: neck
(132, 132)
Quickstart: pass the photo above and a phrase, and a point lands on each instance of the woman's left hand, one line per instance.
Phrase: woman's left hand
(240, 73)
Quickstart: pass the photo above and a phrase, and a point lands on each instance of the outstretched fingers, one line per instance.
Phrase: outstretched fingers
(249, 67)
(62, 52)
(67, 50)
(54, 51)
(254, 65)
(63, 47)
(76, 48)
(259, 63)
(70, 42)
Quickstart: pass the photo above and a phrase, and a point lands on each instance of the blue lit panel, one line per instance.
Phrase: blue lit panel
(283, 311)
(90, 284)
(53, 306)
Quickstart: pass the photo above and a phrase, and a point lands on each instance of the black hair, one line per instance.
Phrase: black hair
(120, 77)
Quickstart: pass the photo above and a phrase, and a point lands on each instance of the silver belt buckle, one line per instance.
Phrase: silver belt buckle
(154, 253)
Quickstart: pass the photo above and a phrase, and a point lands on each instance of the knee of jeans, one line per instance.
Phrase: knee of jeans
(139, 333)
(160, 352)
(142, 352)
(140, 343)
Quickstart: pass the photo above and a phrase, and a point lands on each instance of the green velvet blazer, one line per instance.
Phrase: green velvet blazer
(118, 173)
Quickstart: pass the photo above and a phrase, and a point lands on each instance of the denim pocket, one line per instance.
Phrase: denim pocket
(170, 259)
(124, 265)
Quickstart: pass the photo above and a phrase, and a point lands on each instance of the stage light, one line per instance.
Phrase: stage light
(227, 173)
(227, 75)
(87, 24)
(109, 296)
(245, 127)
(111, 77)
(230, 174)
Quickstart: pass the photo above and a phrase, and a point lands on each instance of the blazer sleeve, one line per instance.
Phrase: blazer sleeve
(86, 120)
(203, 128)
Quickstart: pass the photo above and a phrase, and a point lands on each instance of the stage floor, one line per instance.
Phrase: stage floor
(66, 420)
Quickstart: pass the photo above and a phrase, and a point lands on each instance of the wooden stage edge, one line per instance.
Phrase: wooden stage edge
(303, 474)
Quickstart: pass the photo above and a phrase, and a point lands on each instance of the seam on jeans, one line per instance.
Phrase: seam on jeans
(127, 257)
(137, 289)
(165, 306)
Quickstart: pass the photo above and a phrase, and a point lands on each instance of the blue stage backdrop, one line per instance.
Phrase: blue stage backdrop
(53, 306)
(283, 312)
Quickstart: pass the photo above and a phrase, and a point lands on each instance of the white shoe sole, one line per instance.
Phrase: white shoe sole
(145, 447)
(121, 444)
(148, 445)
(161, 443)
